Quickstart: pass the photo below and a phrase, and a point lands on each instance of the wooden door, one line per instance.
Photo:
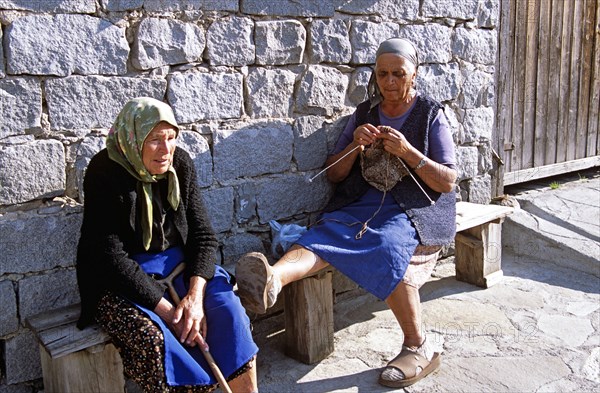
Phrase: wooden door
(548, 88)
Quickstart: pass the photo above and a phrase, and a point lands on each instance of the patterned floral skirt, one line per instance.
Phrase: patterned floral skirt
(141, 345)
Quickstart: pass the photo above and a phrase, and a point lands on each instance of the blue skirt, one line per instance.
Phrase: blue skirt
(229, 336)
(378, 260)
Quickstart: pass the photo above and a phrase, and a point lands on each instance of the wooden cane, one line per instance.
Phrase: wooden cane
(168, 281)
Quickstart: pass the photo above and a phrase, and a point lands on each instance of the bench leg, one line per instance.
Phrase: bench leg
(309, 318)
(96, 369)
(478, 254)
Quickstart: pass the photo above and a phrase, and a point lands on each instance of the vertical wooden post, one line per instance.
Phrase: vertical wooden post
(95, 369)
(309, 318)
(478, 254)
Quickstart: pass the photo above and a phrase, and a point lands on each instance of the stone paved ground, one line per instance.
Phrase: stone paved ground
(538, 330)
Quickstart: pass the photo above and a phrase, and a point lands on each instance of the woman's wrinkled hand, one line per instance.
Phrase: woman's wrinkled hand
(189, 321)
(365, 134)
(394, 141)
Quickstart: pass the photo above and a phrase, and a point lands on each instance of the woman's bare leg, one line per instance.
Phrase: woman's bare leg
(298, 262)
(405, 303)
(247, 382)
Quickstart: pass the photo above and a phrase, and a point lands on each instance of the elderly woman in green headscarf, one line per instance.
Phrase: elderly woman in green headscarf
(143, 223)
(392, 210)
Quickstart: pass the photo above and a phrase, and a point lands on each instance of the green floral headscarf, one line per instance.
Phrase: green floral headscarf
(124, 143)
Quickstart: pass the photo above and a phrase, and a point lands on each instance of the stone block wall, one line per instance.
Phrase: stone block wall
(261, 88)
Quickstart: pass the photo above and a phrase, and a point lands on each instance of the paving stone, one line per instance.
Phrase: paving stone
(357, 90)
(230, 42)
(366, 36)
(561, 385)
(199, 150)
(510, 374)
(434, 43)
(478, 124)
(310, 142)
(121, 5)
(476, 46)
(21, 359)
(330, 41)
(572, 331)
(390, 9)
(88, 45)
(489, 13)
(279, 42)
(51, 6)
(591, 369)
(270, 92)
(1, 57)
(252, 150)
(86, 150)
(239, 244)
(288, 8)
(187, 5)
(24, 98)
(582, 309)
(79, 102)
(465, 10)
(51, 241)
(477, 89)
(322, 91)
(278, 197)
(9, 322)
(47, 292)
(439, 81)
(451, 317)
(219, 204)
(467, 159)
(162, 42)
(32, 171)
(203, 96)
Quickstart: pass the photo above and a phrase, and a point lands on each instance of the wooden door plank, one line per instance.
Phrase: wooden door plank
(502, 93)
(564, 140)
(589, 31)
(511, 17)
(593, 129)
(530, 64)
(539, 155)
(553, 81)
(518, 83)
(575, 62)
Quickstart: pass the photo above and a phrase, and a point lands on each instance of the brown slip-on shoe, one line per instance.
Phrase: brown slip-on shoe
(254, 277)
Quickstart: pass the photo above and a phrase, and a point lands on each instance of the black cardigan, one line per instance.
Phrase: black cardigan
(108, 236)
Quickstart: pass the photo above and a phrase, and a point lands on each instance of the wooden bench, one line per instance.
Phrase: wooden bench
(73, 360)
(308, 303)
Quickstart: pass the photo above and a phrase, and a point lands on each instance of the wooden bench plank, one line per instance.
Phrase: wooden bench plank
(67, 339)
(56, 330)
(469, 215)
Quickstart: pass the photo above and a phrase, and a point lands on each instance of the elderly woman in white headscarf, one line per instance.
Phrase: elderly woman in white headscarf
(392, 211)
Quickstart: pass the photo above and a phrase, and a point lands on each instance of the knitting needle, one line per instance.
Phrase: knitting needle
(413, 177)
(329, 166)
(176, 299)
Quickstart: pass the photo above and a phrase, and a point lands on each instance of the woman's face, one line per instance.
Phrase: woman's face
(395, 76)
(158, 149)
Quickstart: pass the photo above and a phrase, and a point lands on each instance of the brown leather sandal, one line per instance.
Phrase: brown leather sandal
(409, 362)
(254, 277)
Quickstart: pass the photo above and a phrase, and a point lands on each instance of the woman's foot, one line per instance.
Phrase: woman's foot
(258, 284)
(410, 366)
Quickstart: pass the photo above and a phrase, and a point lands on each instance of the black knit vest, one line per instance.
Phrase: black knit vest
(435, 224)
